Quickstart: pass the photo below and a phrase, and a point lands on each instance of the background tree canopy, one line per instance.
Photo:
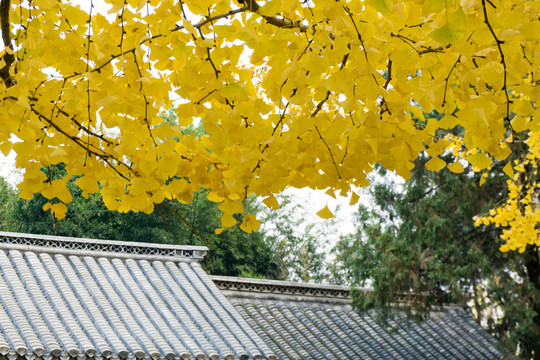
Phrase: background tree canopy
(417, 242)
(233, 253)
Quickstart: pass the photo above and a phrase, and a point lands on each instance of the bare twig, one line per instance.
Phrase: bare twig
(447, 78)
(329, 151)
(280, 120)
(503, 62)
(220, 16)
(348, 11)
(320, 104)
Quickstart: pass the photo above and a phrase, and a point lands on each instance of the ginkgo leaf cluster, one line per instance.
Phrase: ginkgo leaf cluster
(291, 93)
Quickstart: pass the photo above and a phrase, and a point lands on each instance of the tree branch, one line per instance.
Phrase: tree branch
(503, 62)
(329, 150)
(9, 58)
(348, 11)
(385, 87)
(320, 104)
(220, 16)
(447, 78)
(107, 158)
(253, 6)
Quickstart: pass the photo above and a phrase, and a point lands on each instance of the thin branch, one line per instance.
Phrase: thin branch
(121, 16)
(388, 75)
(385, 87)
(280, 120)
(258, 166)
(208, 58)
(428, 50)
(85, 129)
(145, 100)
(447, 78)
(348, 11)
(182, 8)
(163, 216)
(198, 102)
(503, 62)
(9, 58)
(220, 16)
(346, 150)
(320, 104)
(305, 50)
(107, 158)
(329, 150)
(88, 79)
(528, 61)
(253, 6)
(98, 69)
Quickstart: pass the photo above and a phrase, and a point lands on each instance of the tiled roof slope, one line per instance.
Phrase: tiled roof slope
(72, 298)
(310, 322)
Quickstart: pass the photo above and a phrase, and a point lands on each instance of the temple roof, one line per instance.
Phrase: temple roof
(89, 298)
(79, 298)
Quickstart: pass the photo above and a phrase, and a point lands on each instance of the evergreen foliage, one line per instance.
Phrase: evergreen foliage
(418, 243)
(234, 252)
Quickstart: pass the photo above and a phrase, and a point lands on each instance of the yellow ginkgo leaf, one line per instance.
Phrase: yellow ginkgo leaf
(59, 211)
(435, 164)
(509, 170)
(227, 220)
(271, 202)
(214, 197)
(331, 192)
(250, 223)
(456, 167)
(354, 198)
(325, 213)
(479, 161)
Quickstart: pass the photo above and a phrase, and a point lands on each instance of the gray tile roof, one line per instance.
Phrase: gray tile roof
(66, 300)
(317, 322)
(84, 299)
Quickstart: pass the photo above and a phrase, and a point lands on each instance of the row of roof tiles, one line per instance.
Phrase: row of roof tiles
(60, 298)
(55, 304)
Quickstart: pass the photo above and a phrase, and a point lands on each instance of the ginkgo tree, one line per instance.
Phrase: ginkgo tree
(307, 93)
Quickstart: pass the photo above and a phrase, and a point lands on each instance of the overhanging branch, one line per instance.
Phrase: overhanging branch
(9, 58)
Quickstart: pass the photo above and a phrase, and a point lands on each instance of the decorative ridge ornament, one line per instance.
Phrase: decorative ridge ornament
(100, 248)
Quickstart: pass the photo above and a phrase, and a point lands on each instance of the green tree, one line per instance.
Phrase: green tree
(233, 252)
(297, 244)
(7, 200)
(418, 244)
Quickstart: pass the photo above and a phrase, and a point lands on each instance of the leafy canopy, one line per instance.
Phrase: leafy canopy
(417, 246)
(233, 253)
(292, 93)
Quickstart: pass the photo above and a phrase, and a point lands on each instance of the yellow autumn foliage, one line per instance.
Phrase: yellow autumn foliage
(292, 93)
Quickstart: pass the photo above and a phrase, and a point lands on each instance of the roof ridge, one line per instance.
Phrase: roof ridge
(280, 287)
(106, 248)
